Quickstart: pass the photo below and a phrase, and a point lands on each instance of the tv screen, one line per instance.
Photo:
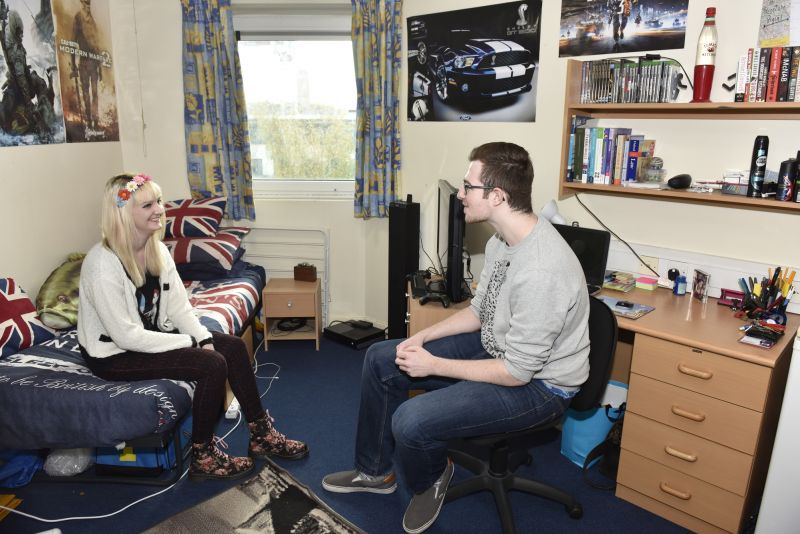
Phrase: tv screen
(450, 230)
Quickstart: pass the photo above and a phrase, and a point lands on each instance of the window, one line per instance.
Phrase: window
(301, 102)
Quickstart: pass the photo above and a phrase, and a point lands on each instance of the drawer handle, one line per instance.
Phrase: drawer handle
(684, 495)
(289, 304)
(688, 415)
(705, 375)
(680, 454)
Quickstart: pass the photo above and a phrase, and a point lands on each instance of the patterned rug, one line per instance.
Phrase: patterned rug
(272, 502)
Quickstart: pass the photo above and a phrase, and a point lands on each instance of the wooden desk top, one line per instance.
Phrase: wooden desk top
(707, 326)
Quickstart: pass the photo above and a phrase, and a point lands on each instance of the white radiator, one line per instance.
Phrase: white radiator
(278, 250)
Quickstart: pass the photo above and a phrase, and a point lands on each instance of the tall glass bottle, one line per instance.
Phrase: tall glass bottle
(704, 62)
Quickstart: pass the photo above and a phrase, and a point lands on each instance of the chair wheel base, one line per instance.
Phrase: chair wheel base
(575, 511)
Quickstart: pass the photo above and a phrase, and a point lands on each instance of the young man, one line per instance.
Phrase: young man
(512, 360)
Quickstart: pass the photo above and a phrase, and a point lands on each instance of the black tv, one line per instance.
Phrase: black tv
(450, 229)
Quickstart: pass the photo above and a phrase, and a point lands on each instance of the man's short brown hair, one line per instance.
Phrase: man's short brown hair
(508, 167)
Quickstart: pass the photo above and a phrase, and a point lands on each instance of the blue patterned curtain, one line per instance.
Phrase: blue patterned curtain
(217, 139)
(377, 37)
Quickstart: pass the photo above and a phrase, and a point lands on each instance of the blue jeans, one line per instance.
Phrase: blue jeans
(418, 429)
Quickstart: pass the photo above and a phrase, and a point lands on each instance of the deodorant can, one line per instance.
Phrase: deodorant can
(758, 166)
(786, 179)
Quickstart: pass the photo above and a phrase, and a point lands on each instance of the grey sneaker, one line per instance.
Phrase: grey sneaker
(354, 481)
(424, 508)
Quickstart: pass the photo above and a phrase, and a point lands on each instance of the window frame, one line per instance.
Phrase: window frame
(301, 23)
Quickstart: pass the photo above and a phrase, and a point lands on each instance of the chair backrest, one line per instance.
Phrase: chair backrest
(603, 338)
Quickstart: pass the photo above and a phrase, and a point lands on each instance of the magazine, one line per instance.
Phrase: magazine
(627, 309)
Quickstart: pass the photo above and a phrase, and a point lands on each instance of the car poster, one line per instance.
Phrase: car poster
(591, 27)
(478, 64)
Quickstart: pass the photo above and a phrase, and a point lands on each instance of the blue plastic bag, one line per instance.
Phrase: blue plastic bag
(583, 431)
(17, 467)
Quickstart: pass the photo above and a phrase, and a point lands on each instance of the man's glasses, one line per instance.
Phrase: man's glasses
(467, 187)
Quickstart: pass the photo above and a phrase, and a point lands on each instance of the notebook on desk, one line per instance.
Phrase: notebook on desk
(591, 247)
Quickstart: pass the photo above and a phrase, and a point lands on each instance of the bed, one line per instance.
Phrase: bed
(51, 400)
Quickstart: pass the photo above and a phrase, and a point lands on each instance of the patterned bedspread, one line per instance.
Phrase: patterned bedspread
(50, 399)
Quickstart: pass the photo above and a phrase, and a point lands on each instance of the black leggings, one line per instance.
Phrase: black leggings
(207, 368)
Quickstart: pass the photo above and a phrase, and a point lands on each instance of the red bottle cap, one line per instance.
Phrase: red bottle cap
(711, 11)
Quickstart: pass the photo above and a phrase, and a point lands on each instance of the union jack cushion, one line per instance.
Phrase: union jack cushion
(193, 218)
(20, 327)
(220, 249)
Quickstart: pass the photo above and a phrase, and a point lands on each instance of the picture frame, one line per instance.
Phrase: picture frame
(700, 285)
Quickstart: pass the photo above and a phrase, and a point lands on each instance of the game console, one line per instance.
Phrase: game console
(356, 336)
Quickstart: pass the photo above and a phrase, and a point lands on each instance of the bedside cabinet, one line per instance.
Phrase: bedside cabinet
(285, 298)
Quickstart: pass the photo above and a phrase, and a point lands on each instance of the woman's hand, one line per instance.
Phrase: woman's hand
(416, 361)
(208, 346)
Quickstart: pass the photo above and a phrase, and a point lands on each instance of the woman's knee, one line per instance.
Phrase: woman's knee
(213, 363)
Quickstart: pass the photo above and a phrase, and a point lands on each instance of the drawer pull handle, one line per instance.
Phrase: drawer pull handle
(680, 454)
(688, 415)
(705, 375)
(684, 495)
(289, 304)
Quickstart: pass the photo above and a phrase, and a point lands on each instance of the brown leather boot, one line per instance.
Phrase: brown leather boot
(208, 461)
(266, 441)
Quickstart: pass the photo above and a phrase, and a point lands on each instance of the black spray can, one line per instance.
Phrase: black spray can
(758, 166)
(786, 179)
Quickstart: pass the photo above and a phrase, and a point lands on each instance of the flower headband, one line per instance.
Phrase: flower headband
(124, 194)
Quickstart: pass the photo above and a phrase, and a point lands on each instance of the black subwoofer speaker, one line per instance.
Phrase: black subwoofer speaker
(403, 260)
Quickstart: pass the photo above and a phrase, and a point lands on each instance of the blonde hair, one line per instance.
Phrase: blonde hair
(117, 227)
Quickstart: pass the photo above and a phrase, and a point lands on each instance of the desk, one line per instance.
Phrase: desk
(702, 408)
(702, 411)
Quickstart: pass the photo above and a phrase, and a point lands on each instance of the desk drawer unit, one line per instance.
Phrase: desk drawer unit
(291, 305)
(682, 492)
(692, 433)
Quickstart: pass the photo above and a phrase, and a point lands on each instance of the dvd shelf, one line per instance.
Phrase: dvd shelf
(664, 111)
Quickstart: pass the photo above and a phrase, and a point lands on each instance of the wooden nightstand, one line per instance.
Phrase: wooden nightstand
(284, 298)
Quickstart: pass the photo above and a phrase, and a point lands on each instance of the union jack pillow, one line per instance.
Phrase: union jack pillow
(193, 218)
(20, 327)
(219, 250)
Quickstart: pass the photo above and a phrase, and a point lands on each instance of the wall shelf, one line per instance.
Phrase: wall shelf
(676, 195)
(697, 111)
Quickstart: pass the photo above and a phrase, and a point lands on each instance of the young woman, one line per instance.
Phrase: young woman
(135, 323)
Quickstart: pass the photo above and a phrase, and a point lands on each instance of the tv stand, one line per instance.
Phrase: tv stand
(420, 316)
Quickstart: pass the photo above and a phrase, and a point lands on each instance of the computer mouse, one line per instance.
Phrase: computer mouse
(681, 181)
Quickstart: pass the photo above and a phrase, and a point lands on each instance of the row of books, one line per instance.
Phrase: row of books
(607, 156)
(629, 81)
(768, 75)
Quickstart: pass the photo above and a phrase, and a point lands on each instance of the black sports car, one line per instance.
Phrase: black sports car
(479, 68)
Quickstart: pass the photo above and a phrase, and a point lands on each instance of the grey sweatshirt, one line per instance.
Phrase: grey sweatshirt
(534, 308)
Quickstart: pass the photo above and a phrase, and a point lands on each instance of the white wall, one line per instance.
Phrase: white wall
(439, 150)
(431, 151)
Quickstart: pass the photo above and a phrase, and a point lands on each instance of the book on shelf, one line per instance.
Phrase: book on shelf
(773, 74)
(763, 74)
(783, 74)
(742, 75)
(633, 156)
(619, 281)
(752, 91)
(794, 64)
(623, 80)
(577, 123)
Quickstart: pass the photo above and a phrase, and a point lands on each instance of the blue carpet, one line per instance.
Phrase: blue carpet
(315, 398)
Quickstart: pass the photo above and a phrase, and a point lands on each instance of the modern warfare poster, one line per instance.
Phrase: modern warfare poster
(83, 43)
(591, 27)
(30, 100)
(478, 64)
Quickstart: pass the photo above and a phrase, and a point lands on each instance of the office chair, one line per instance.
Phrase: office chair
(507, 451)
